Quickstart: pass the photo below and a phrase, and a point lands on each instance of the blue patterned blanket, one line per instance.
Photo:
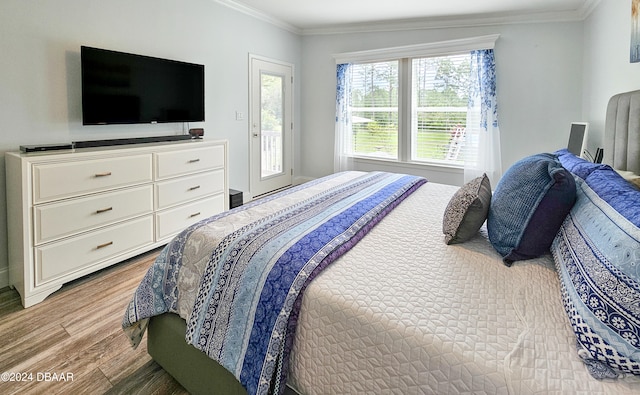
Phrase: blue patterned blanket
(246, 306)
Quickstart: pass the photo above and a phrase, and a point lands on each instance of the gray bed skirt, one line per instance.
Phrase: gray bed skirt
(196, 372)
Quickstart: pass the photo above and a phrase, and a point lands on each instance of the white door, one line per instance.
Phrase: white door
(270, 125)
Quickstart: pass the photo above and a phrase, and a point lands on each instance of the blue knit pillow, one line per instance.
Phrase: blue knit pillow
(597, 254)
(528, 207)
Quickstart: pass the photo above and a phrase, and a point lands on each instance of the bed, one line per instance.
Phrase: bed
(398, 306)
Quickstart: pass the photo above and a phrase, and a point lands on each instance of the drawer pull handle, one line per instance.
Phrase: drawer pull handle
(104, 210)
(104, 245)
(194, 214)
(194, 160)
(108, 173)
(194, 188)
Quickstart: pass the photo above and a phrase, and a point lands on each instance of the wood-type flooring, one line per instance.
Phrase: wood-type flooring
(72, 343)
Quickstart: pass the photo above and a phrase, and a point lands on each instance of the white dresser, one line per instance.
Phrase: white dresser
(70, 213)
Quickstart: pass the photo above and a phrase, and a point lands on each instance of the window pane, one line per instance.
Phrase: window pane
(440, 97)
(374, 109)
(271, 128)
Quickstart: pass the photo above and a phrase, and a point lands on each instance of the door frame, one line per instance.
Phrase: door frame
(257, 185)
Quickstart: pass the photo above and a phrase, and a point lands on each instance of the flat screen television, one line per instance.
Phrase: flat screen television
(124, 88)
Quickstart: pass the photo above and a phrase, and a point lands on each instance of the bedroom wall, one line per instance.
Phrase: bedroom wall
(40, 70)
(539, 69)
(607, 69)
(544, 71)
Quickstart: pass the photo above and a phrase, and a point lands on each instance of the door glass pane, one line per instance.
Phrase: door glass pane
(271, 124)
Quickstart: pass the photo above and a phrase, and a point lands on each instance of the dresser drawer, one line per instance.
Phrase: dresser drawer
(61, 258)
(61, 180)
(175, 163)
(169, 222)
(184, 189)
(56, 220)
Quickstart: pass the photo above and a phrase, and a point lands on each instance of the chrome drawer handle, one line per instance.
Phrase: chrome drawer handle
(194, 160)
(104, 245)
(108, 173)
(104, 210)
(194, 188)
(194, 215)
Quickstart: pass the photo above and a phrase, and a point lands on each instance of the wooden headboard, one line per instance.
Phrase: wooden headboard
(622, 132)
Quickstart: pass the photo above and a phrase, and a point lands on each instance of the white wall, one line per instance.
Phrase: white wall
(539, 82)
(40, 70)
(607, 70)
(549, 74)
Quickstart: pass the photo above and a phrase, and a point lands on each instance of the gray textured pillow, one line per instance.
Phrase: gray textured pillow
(467, 210)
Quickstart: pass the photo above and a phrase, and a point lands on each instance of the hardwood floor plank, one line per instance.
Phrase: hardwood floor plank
(79, 354)
(9, 302)
(77, 331)
(23, 321)
(15, 345)
(127, 362)
(93, 383)
(79, 295)
(93, 314)
(149, 379)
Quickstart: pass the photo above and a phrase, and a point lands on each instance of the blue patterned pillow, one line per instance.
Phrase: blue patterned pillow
(577, 165)
(528, 206)
(597, 254)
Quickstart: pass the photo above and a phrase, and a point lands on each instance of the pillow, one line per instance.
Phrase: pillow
(576, 165)
(617, 192)
(597, 251)
(467, 210)
(528, 207)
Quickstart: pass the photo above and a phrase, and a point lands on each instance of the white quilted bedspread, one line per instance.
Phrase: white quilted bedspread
(404, 313)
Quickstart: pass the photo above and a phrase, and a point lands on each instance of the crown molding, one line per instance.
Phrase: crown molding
(252, 12)
(588, 7)
(448, 22)
(421, 23)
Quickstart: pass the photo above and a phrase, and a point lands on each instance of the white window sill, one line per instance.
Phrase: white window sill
(434, 172)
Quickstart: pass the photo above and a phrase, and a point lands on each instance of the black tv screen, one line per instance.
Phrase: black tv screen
(123, 88)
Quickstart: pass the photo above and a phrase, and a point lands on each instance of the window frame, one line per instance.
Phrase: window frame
(404, 56)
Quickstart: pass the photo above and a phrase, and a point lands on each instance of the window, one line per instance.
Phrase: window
(435, 124)
(439, 102)
(374, 109)
(431, 103)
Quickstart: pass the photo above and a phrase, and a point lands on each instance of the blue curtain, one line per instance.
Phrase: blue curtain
(343, 130)
(483, 134)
